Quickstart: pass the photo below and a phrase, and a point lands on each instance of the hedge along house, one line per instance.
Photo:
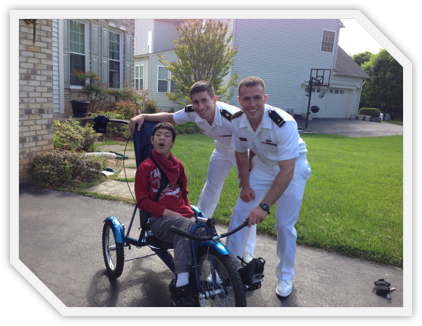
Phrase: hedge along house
(280, 51)
(46, 62)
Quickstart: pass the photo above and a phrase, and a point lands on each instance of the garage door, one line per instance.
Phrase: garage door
(335, 103)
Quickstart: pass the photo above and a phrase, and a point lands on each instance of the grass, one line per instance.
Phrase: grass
(353, 201)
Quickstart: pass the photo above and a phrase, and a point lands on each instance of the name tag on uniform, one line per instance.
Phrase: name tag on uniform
(266, 143)
(242, 139)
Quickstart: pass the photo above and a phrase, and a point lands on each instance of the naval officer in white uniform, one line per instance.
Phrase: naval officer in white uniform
(279, 173)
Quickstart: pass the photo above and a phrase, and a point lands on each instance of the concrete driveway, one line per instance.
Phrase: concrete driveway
(60, 242)
(350, 128)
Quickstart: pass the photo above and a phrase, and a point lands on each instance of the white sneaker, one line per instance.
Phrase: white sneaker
(284, 288)
(248, 257)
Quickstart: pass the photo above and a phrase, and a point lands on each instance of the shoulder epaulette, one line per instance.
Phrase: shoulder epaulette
(279, 121)
(226, 114)
(237, 114)
(189, 108)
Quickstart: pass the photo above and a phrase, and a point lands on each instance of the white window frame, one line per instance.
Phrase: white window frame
(140, 78)
(121, 66)
(149, 41)
(168, 79)
(322, 39)
(87, 53)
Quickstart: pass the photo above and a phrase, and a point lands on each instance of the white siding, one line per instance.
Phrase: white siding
(164, 35)
(142, 26)
(56, 84)
(161, 98)
(282, 52)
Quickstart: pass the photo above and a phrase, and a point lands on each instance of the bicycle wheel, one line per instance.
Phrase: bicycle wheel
(112, 251)
(220, 282)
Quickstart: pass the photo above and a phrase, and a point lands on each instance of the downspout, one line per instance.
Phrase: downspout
(360, 94)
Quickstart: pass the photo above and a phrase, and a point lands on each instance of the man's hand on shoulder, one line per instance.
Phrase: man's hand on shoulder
(139, 119)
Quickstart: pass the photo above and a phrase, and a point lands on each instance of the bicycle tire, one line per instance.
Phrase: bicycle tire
(113, 252)
(232, 290)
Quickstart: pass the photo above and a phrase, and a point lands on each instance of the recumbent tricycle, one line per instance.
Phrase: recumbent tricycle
(210, 256)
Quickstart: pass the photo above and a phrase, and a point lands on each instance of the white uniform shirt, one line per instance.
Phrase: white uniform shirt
(270, 142)
(221, 129)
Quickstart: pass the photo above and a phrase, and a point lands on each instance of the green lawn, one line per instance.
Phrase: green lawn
(353, 202)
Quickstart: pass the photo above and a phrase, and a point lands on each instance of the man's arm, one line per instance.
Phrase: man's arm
(242, 160)
(281, 182)
(156, 117)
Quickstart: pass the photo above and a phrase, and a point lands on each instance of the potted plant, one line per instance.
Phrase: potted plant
(93, 94)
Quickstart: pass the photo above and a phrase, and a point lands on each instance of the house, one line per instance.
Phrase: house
(280, 51)
(46, 83)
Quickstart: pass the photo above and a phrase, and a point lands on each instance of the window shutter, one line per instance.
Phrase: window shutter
(95, 49)
(128, 60)
(105, 54)
(66, 54)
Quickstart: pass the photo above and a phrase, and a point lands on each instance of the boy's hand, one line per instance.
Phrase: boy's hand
(168, 212)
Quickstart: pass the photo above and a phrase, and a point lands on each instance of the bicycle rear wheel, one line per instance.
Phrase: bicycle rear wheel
(220, 282)
(112, 251)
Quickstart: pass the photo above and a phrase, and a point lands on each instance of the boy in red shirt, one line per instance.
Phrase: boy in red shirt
(172, 208)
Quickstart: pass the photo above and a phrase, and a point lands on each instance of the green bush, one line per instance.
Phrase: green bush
(62, 169)
(150, 106)
(373, 112)
(188, 128)
(70, 136)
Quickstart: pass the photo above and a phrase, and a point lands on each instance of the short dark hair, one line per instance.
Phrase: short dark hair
(164, 125)
(200, 86)
(251, 81)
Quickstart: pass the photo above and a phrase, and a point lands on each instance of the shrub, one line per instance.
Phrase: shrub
(150, 106)
(188, 128)
(62, 169)
(373, 112)
(127, 108)
(93, 90)
(69, 135)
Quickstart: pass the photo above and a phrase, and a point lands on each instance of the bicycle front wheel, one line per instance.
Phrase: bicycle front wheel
(220, 282)
(112, 251)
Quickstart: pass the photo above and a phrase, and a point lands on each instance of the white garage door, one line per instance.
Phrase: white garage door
(335, 103)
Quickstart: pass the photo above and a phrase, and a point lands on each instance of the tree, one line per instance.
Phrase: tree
(202, 53)
(384, 89)
(362, 57)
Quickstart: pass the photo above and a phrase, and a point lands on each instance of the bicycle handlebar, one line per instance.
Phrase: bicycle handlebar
(100, 123)
(198, 238)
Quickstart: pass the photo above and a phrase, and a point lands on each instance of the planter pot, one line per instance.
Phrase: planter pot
(80, 108)
(367, 117)
(360, 116)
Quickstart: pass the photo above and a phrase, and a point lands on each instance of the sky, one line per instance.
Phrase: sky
(355, 39)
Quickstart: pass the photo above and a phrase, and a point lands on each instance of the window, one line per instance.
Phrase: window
(164, 84)
(139, 77)
(114, 55)
(149, 41)
(77, 50)
(327, 44)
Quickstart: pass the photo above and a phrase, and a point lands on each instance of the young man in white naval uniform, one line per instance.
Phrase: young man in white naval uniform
(213, 117)
(279, 174)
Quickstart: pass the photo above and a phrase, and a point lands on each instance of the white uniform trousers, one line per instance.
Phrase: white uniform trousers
(221, 162)
(261, 179)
